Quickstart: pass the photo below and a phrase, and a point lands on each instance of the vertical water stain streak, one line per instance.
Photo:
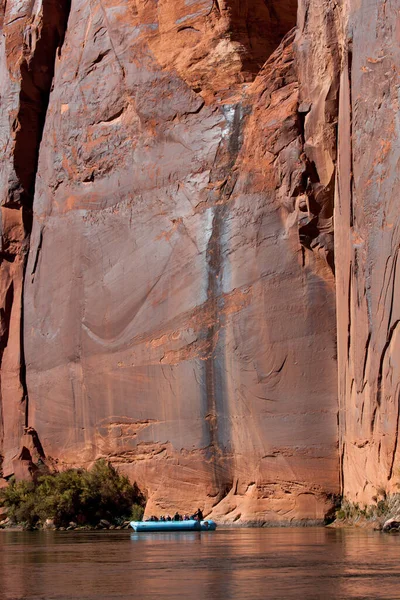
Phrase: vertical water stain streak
(216, 400)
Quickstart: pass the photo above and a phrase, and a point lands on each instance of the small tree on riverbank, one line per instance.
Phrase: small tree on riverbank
(73, 495)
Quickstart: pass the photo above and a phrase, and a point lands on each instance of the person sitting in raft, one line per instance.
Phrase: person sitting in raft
(186, 517)
(168, 518)
(177, 517)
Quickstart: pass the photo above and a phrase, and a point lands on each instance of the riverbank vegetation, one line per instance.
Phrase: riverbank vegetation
(73, 498)
(385, 507)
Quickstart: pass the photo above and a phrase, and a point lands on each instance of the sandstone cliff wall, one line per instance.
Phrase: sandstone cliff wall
(188, 164)
(367, 246)
(31, 33)
(353, 46)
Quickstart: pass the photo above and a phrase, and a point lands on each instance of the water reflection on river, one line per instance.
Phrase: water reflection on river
(231, 564)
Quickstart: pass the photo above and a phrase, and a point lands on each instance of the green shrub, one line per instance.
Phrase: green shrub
(73, 495)
(137, 512)
(387, 507)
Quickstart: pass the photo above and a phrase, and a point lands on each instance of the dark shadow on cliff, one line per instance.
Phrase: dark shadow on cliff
(260, 27)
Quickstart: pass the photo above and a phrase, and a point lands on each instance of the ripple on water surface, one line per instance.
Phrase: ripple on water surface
(230, 564)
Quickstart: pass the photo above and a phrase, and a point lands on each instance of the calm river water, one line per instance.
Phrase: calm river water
(229, 564)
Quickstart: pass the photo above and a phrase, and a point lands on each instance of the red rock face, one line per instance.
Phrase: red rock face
(368, 240)
(29, 40)
(356, 55)
(179, 295)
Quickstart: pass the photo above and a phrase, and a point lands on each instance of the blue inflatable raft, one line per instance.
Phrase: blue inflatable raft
(192, 525)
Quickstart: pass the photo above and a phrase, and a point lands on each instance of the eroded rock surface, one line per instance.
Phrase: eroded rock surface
(354, 47)
(179, 296)
(31, 35)
(174, 339)
(368, 239)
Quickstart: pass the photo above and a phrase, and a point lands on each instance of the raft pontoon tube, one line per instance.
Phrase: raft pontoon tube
(192, 525)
